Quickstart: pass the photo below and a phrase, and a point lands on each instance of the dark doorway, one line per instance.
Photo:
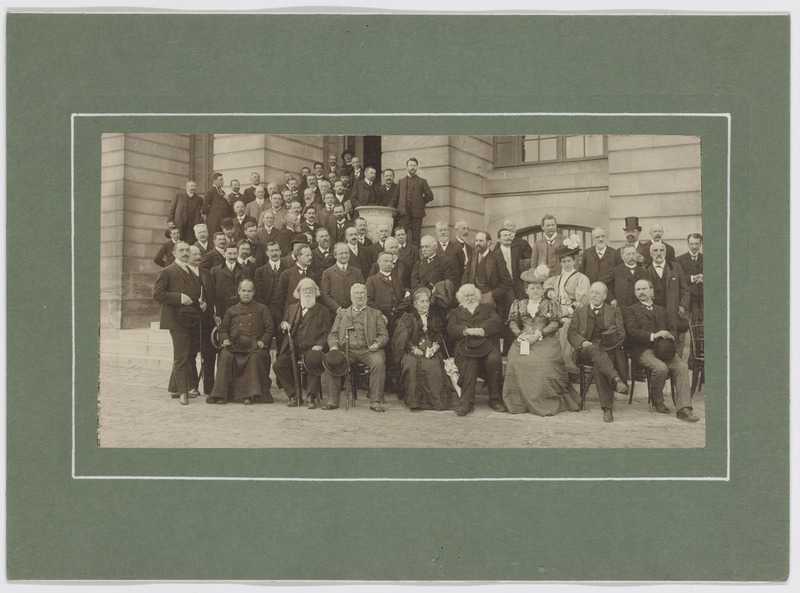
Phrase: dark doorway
(372, 153)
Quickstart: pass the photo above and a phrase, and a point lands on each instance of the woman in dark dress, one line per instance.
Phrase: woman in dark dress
(537, 381)
(417, 343)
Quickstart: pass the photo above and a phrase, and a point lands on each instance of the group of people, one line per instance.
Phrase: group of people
(428, 315)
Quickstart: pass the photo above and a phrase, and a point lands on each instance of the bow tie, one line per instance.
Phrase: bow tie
(596, 310)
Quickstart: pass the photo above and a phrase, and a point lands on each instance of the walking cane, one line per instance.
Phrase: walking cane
(295, 371)
(349, 383)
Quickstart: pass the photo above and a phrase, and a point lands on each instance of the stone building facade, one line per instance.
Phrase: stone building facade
(584, 181)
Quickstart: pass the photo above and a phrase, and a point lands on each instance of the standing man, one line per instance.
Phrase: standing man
(201, 232)
(250, 192)
(291, 277)
(364, 189)
(598, 262)
(266, 284)
(400, 267)
(236, 194)
(385, 289)
(166, 253)
(256, 207)
(656, 234)
(487, 272)
(216, 256)
(359, 256)
(239, 220)
(596, 332)
(413, 193)
(338, 279)
(225, 279)
(368, 337)
(432, 268)
(465, 250)
(646, 322)
(386, 193)
(332, 165)
(186, 211)
(511, 260)
(208, 354)
(632, 231)
(621, 279)
(521, 246)
(669, 289)
(692, 265)
(383, 230)
(215, 206)
(407, 252)
(178, 292)
(444, 246)
(544, 250)
(322, 256)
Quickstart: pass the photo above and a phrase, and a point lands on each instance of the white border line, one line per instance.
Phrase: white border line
(725, 478)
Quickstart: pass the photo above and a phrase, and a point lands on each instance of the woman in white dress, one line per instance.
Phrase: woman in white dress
(570, 289)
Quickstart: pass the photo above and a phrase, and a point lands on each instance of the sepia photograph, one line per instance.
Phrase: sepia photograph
(401, 291)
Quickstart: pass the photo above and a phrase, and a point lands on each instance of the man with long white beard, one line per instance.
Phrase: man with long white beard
(308, 324)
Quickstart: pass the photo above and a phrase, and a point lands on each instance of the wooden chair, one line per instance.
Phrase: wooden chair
(697, 355)
(586, 376)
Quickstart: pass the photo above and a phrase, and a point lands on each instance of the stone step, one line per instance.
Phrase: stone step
(137, 349)
(139, 361)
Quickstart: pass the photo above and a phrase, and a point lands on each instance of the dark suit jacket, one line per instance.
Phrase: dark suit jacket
(363, 261)
(384, 294)
(428, 273)
(595, 268)
(644, 249)
(498, 279)
(212, 258)
(620, 283)
(386, 196)
(285, 238)
(413, 193)
(485, 317)
(225, 283)
(400, 268)
(308, 331)
(170, 283)
(238, 228)
(185, 211)
(452, 250)
(165, 255)
(362, 194)
(335, 286)
(463, 258)
(409, 254)
(640, 323)
(286, 284)
(516, 270)
(204, 250)
(248, 269)
(691, 268)
(579, 327)
(677, 292)
(337, 234)
(250, 196)
(320, 263)
(233, 198)
(266, 286)
(264, 236)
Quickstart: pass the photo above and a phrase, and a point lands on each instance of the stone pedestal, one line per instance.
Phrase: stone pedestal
(375, 215)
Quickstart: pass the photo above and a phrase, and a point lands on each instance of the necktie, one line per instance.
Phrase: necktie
(596, 311)
(305, 310)
(659, 271)
(694, 258)
(275, 267)
(302, 272)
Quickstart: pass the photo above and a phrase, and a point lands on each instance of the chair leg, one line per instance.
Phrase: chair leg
(633, 382)
(649, 393)
(672, 389)
(586, 382)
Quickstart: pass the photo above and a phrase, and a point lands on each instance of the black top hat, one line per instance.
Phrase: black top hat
(335, 362)
(609, 339)
(664, 349)
(475, 346)
(632, 222)
(312, 360)
(300, 238)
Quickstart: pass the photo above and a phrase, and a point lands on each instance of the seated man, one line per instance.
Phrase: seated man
(476, 328)
(645, 322)
(243, 364)
(595, 332)
(368, 337)
(308, 324)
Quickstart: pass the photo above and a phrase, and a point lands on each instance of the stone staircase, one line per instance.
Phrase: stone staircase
(148, 348)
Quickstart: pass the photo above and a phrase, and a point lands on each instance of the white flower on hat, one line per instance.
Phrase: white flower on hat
(573, 242)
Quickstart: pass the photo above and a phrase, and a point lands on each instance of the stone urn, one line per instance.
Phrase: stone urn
(375, 215)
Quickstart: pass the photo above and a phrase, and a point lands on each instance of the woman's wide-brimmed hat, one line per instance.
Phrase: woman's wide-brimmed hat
(539, 275)
(475, 346)
(564, 250)
(313, 361)
(335, 362)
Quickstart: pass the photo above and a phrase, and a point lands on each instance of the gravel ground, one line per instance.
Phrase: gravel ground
(136, 411)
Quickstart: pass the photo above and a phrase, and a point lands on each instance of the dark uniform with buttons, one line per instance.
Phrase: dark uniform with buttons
(243, 367)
